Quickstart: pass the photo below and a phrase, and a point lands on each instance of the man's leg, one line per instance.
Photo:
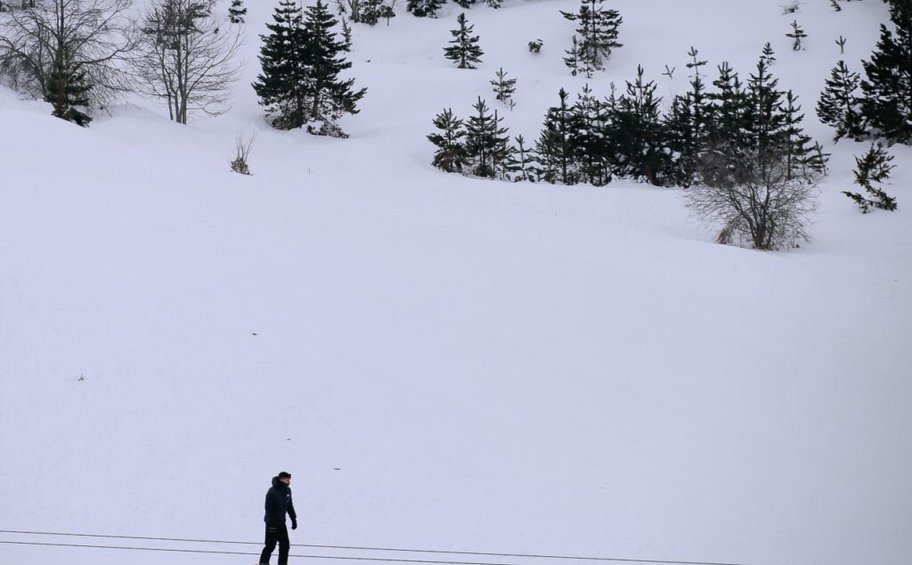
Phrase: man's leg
(283, 545)
(272, 536)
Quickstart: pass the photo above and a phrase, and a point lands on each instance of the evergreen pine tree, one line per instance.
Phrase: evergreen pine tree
(281, 86)
(346, 34)
(67, 91)
(575, 60)
(639, 136)
(838, 106)
(504, 88)
(554, 149)
(520, 164)
(766, 125)
(424, 8)
(485, 141)
(451, 153)
(464, 4)
(873, 167)
(801, 157)
(796, 35)
(887, 101)
(237, 11)
(464, 50)
(768, 54)
(301, 62)
(597, 29)
(591, 138)
(729, 119)
(841, 42)
(369, 12)
(330, 96)
(500, 156)
(687, 124)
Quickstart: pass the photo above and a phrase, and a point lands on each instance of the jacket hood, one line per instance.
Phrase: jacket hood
(277, 483)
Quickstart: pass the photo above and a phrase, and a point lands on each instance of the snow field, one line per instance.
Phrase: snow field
(447, 362)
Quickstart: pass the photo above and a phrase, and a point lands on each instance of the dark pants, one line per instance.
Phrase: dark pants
(275, 534)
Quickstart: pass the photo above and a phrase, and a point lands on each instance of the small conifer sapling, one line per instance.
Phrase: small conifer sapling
(796, 35)
(463, 49)
(504, 88)
(871, 171)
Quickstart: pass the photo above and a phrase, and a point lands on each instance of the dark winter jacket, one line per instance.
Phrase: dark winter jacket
(278, 502)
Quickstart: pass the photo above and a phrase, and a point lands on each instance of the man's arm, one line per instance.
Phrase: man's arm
(270, 506)
(292, 513)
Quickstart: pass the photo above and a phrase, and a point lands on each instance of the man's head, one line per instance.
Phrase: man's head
(285, 477)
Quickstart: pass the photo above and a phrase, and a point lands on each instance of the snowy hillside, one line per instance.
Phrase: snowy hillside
(445, 362)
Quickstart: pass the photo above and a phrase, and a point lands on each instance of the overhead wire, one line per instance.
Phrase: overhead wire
(223, 552)
(336, 547)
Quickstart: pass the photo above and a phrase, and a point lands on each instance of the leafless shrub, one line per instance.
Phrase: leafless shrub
(755, 198)
(242, 152)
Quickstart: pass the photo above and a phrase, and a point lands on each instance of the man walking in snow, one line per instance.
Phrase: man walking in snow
(278, 503)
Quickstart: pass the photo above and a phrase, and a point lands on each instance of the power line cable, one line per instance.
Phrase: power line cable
(222, 552)
(367, 548)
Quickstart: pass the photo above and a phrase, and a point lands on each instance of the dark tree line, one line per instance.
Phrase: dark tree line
(594, 139)
(738, 146)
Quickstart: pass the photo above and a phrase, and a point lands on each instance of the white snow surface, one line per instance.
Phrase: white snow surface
(445, 362)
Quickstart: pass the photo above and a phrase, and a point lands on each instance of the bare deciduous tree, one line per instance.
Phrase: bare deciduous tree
(187, 58)
(95, 35)
(755, 197)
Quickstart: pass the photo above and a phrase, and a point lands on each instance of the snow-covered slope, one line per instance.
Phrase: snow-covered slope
(445, 362)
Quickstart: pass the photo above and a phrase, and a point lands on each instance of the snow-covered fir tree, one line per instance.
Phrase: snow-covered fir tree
(237, 11)
(766, 119)
(463, 49)
(302, 60)
(486, 141)
(598, 32)
(639, 136)
(346, 34)
(839, 105)
(768, 54)
(554, 149)
(281, 86)
(887, 88)
(331, 96)
(730, 110)
(797, 35)
(450, 155)
(424, 8)
(575, 61)
(369, 12)
(871, 171)
(687, 124)
(504, 88)
(803, 157)
(520, 163)
(592, 140)
(68, 91)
